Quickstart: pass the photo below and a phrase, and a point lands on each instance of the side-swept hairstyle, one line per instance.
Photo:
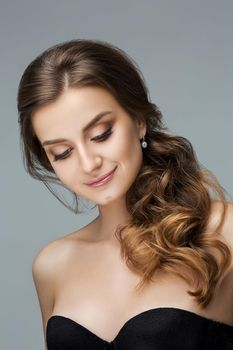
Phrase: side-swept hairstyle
(170, 201)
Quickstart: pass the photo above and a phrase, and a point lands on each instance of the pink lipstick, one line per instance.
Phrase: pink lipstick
(102, 180)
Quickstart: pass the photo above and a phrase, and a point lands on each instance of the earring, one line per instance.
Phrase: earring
(143, 142)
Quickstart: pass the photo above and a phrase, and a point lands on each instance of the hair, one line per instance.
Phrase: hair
(170, 200)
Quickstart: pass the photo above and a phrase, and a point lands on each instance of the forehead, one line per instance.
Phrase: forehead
(76, 106)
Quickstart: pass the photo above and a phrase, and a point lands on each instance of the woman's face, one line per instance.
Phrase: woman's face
(79, 152)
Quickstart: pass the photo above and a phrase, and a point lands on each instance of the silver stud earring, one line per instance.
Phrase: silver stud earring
(143, 142)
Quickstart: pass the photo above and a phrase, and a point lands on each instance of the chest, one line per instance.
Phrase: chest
(96, 289)
(101, 277)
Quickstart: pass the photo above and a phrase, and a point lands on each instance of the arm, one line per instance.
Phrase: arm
(43, 272)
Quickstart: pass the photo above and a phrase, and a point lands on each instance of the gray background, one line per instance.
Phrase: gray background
(184, 49)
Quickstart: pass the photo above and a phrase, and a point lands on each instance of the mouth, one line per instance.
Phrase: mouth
(102, 179)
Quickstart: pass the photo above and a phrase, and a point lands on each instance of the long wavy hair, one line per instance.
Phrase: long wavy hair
(170, 200)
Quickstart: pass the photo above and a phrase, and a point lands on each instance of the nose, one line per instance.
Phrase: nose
(89, 160)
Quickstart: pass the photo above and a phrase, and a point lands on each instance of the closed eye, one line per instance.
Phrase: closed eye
(98, 138)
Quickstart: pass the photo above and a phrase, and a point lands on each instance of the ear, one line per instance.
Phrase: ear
(141, 126)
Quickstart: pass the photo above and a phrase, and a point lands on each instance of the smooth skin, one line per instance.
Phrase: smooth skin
(82, 275)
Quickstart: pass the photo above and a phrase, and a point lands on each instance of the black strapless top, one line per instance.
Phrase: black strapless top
(163, 328)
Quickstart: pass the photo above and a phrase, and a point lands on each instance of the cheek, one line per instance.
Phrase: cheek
(128, 149)
(66, 173)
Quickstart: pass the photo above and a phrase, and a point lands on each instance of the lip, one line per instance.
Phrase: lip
(101, 178)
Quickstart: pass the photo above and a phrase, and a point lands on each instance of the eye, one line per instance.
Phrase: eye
(62, 155)
(103, 136)
(99, 138)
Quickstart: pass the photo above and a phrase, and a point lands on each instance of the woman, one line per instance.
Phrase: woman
(154, 269)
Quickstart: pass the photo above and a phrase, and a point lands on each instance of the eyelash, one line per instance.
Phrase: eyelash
(99, 138)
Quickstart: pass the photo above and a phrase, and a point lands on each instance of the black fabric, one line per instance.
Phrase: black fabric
(163, 328)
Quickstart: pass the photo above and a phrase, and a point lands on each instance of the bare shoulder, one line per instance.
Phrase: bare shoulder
(44, 271)
(227, 234)
(214, 219)
(46, 267)
(54, 254)
(50, 256)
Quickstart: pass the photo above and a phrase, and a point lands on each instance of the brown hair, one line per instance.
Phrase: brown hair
(170, 200)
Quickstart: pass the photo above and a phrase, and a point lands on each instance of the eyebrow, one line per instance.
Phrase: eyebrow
(86, 127)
